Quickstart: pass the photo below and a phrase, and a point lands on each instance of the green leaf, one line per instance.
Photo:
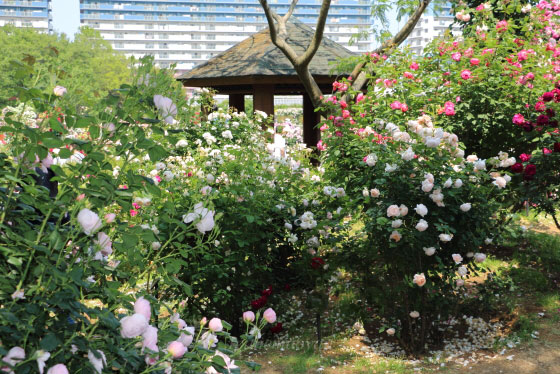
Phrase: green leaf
(50, 342)
(55, 125)
(157, 153)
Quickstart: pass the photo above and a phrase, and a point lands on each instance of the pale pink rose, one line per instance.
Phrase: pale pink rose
(14, 356)
(422, 225)
(479, 257)
(59, 91)
(269, 315)
(414, 314)
(457, 258)
(374, 192)
(396, 223)
(215, 325)
(395, 236)
(187, 338)
(393, 211)
(460, 282)
(248, 316)
(142, 306)
(465, 207)
(403, 210)
(89, 221)
(419, 279)
(80, 197)
(110, 217)
(176, 349)
(150, 338)
(390, 331)
(42, 357)
(58, 369)
(133, 326)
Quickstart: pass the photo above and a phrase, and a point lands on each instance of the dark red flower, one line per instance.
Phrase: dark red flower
(556, 147)
(528, 126)
(317, 262)
(517, 167)
(542, 120)
(287, 287)
(267, 292)
(530, 171)
(259, 303)
(548, 96)
(550, 112)
(277, 328)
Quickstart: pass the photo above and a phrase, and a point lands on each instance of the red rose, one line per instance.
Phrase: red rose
(530, 171)
(267, 292)
(277, 328)
(517, 167)
(317, 262)
(259, 303)
(548, 96)
(542, 120)
(557, 147)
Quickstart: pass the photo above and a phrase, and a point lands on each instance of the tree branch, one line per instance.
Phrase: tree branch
(278, 41)
(312, 48)
(359, 75)
(290, 11)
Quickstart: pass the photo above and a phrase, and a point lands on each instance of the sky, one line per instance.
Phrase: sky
(66, 17)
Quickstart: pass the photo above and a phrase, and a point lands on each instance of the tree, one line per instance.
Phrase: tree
(87, 66)
(277, 27)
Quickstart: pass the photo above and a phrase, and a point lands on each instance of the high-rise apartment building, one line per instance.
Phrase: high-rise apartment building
(431, 25)
(188, 32)
(27, 13)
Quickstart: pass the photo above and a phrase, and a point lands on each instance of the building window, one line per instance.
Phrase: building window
(119, 35)
(210, 46)
(196, 55)
(210, 37)
(164, 36)
(164, 55)
(210, 27)
(148, 35)
(119, 26)
(195, 46)
(195, 37)
(163, 46)
(149, 26)
(149, 46)
(119, 45)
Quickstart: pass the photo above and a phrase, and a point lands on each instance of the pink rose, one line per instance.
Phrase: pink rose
(176, 349)
(269, 315)
(419, 279)
(466, 74)
(248, 316)
(142, 306)
(58, 369)
(215, 325)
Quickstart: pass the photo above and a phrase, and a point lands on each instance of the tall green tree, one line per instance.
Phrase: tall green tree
(87, 66)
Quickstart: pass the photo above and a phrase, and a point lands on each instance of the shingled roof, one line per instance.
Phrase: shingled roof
(257, 56)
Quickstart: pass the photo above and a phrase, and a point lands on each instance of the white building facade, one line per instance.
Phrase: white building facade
(429, 27)
(189, 32)
(27, 13)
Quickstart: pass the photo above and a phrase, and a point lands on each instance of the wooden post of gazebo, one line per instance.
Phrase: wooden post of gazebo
(237, 101)
(263, 98)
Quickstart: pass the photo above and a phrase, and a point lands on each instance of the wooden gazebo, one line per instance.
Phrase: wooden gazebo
(255, 66)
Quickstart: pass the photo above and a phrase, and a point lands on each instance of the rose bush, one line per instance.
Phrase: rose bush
(92, 240)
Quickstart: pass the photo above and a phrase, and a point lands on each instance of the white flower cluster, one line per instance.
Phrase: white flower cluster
(334, 191)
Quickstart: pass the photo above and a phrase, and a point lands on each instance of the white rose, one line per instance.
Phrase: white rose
(89, 221)
(465, 207)
(457, 258)
(414, 314)
(371, 159)
(408, 154)
(429, 251)
(396, 223)
(421, 209)
(393, 211)
(445, 237)
(422, 225)
(479, 257)
(462, 270)
(458, 183)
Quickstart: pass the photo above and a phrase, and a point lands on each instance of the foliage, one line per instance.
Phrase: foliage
(87, 66)
(86, 232)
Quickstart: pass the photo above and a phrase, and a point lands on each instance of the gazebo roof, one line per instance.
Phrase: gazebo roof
(257, 60)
